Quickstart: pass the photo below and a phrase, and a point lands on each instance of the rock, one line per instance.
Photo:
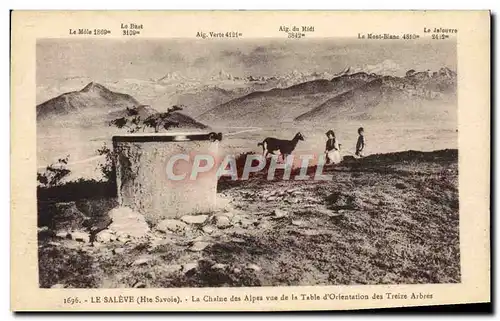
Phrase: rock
(271, 198)
(169, 269)
(298, 222)
(401, 186)
(254, 267)
(209, 229)
(222, 221)
(219, 266)
(68, 217)
(171, 225)
(97, 244)
(156, 242)
(126, 221)
(198, 246)
(189, 267)
(143, 260)
(105, 236)
(239, 231)
(194, 219)
(54, 243)
(237, 270)
(58, 286)
(279, 213)
(338, 201)
(80, 236)
(63, 235)
(119, 250)
(264, 225)
(123, 238)
(246, 222)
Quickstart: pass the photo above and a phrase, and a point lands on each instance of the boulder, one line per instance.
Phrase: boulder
(254, 267)
(128, 222)
(119, 250)
(222, 221)
(171, 225)
(194, 219)
(209, 229)
(105, 236)
(189, 267)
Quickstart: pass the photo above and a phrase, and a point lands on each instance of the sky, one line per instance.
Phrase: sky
(105, 60)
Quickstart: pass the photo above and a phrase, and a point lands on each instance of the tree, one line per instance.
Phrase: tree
(157, 121)
(107, 168)
(54, 173)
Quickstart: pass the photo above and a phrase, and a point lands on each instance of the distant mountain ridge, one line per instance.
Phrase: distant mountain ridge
(348, 95)
(95, 105)
(92, 96)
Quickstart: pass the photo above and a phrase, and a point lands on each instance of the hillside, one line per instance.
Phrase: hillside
(350, 95)
(281, 104)
(384, 219)
(95, 106)
(142, 111)
(200, 100)
(420, 95)
(92, 98)
(355, 101)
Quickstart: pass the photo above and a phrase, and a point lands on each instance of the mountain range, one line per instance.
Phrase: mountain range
(348, 96)
(95, 105)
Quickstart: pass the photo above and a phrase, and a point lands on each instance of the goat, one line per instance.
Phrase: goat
(285, 147)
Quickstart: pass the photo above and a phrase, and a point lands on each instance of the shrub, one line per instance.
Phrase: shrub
(107, 168)
(54, 173)
(157, 121)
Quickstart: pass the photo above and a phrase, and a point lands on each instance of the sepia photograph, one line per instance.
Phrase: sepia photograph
(377, 121)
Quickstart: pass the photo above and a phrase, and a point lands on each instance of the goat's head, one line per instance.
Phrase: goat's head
(299, 136)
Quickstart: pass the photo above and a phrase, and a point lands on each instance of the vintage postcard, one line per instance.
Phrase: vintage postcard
(249, 160)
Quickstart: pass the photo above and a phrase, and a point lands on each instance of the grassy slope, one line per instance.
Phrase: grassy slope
(385, 219)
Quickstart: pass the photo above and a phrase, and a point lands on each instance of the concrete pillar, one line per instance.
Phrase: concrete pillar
(142, 180)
